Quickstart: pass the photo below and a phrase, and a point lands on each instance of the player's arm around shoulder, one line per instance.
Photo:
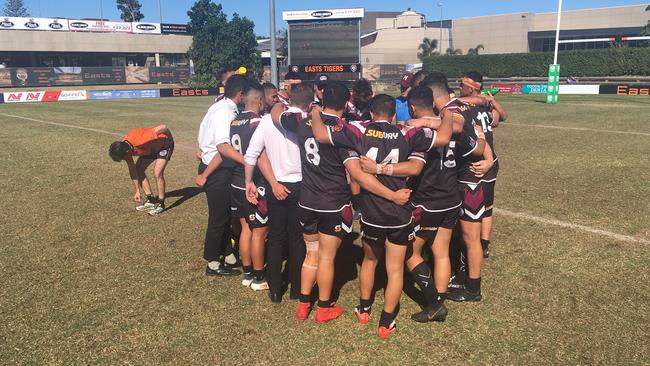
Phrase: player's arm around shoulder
(318, 127)
(373, 185)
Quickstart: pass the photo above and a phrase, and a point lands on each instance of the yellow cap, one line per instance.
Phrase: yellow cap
(242, 70)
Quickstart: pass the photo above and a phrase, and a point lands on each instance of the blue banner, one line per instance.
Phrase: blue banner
(534, 88)
(2, 98)
(124, 94)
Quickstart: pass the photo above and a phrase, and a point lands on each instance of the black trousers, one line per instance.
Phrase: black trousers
(285, 232)
(218, 234)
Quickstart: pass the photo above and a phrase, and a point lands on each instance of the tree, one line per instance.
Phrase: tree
(427, 48)
(474, 51)
(453, 52)
(130, 10)
(646, 30)
(15, 8)
(218, 43)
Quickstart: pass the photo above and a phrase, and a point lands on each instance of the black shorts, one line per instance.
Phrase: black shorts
(426, 223)
(377, 236)
(336, 223)
(165, 151)
(489, 194)
(256, 215)
(473, 197)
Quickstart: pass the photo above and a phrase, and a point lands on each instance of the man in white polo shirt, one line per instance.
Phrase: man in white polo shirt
(284, 226)
(215, 174)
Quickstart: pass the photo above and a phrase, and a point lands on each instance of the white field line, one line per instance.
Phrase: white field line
(580, 129)
(568, 225)
(499, 211)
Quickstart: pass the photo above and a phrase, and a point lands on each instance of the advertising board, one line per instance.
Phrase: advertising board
(124, 94)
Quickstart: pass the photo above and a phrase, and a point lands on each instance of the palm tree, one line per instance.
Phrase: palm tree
(475, 50)
(427, 47)
(453, 52)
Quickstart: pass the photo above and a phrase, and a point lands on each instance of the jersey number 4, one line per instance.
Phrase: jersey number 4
(391, 158)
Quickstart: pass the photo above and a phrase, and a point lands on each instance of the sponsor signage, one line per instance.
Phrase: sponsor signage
(174, 29)
(124, 94)
(50, 24)
(153, 28)
(508, 88)
(99, 26)
(626, 89)
(321, 69)
(579, 89)
(103, 75)
(169, 74)
(188, 92)
(24, 97)
(323, 14)
(2, 98)
(534, 88)
(68, 95)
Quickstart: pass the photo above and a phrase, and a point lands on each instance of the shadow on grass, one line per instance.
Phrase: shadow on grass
(185, 194)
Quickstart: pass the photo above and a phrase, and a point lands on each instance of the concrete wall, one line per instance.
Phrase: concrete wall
(398, 46)
(615, 17)
(506, 33)
(15, 40)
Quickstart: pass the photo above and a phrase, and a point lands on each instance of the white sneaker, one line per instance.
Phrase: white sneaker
(259, 285)
(146, 206)
(156, 209)
(247, 280)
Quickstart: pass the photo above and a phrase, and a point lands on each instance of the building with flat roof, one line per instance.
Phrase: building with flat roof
(394, 39)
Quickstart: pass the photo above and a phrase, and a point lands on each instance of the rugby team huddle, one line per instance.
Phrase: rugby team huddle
(289, 171)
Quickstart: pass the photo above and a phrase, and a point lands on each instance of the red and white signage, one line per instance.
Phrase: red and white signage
(45, 96)
(323, 14)
(99, 26)
(67, 95)
(24, 97)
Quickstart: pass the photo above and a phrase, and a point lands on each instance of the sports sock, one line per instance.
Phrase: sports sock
(304, 298)
(365, 306)
(386, 319)
(485, 243)
(150, 198)
(248, 270)
(473, 285)
(422, 276)
(325, 304)
(230, 259)
(258, 275)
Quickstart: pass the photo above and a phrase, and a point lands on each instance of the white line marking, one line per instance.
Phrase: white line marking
(569, 225)
(498, 211)
(62, 124)
(579, 129)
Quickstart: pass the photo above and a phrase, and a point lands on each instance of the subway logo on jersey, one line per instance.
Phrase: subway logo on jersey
(382, 134)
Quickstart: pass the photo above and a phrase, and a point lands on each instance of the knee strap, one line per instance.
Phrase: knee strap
(312, 246)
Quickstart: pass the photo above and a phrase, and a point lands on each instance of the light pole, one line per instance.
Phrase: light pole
(440, 26)
(160, 10)
(101, 10)
(274, 54)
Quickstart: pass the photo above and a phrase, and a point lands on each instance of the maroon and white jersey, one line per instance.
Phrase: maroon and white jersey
(483, 117)
(353, 113)
(325, 186)
(436, 189)
(241, 131)
(286, 102)
(385, 143)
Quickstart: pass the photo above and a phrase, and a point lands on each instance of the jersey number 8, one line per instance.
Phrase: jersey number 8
(235, 141)
(311, 151)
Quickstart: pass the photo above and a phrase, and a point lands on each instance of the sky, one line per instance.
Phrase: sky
(175, 11)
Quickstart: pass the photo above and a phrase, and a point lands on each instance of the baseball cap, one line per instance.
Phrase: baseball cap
(321, 80)
(405, 82)
(292, 75)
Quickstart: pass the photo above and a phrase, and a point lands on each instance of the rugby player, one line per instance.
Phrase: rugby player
(290, 79)
(270, 97)
(401, 107)
(253, 218)
(436, 201)
(149, 145)
(488, 116)
(357, 108)
(326, 214)
(385, 225)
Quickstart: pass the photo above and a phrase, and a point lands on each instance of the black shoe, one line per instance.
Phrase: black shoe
(275, 297)
(463, 295)
(222, 271)
(438, 314)
(455, 283)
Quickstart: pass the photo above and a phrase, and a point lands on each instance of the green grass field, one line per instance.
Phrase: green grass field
(86, 279)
